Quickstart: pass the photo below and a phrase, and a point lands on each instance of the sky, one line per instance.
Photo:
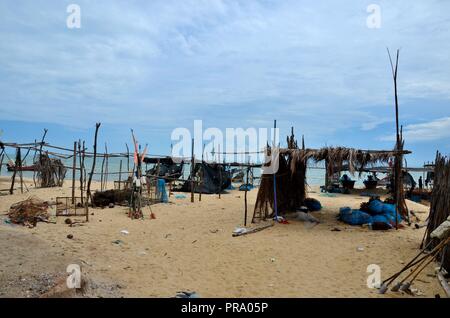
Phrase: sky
(155, 66)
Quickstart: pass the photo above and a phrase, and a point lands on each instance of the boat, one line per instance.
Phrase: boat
(10, 166)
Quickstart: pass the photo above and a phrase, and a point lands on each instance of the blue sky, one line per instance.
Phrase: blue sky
(157, 65)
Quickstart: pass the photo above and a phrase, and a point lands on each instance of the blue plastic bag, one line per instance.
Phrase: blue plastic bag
(376, 207)
(354, 217)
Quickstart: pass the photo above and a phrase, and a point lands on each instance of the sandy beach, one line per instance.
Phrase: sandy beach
(189, 247)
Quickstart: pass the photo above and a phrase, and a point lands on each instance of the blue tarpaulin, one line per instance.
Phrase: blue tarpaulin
(162, 194)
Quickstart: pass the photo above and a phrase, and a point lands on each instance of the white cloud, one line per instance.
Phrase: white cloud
(227, 61)
(430, 131)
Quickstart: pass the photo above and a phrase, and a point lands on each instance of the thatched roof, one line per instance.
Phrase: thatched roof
(355, 159)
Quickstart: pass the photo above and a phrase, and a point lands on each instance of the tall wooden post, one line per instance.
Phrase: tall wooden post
(80, 158)
(20, 170)
(1, 162)
(201, 176)
(245, 197)
(128, 158)
(74, 166)
(13, 178)
(89, 195)
(192, 170)
(220, 172)
(398, 164)
(106, 167)
(275, 204)
(120, 174)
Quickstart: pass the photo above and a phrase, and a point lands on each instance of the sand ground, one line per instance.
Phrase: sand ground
(189, 246)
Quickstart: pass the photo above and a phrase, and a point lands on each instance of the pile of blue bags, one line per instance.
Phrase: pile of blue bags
(378, 212)
(312, 204)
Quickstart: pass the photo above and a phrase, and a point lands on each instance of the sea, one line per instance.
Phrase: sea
(315, 175)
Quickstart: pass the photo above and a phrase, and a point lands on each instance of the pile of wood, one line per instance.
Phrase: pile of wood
(29, 212)
(440, 204)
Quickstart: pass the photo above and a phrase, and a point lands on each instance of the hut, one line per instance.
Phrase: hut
(289, 191)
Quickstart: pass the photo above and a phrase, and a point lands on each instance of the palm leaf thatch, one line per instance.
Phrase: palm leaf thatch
(440, 203)
(291, 174)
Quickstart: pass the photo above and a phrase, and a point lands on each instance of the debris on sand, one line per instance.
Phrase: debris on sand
(29, 212)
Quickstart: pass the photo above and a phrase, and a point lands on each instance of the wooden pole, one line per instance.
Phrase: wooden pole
(220, 172)
(40, 154)
(1, 162)
(398, 164)
(201, 176)
(120, 173)
(245, 197)
(128, 158)
(80, 158)
(106, 167)
(20, 170)
(74, 166)
(192, 170)
(275, 205)
(13, 178)
(102, 173)
(88, 193)
(84, 166)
